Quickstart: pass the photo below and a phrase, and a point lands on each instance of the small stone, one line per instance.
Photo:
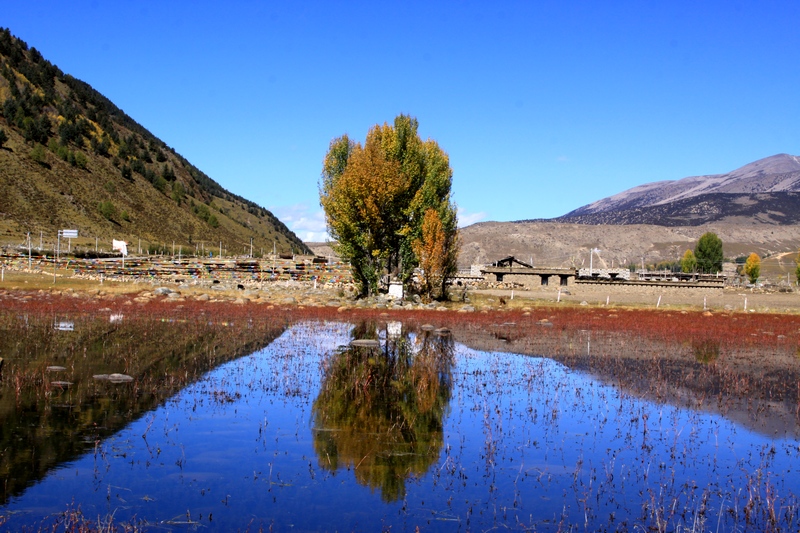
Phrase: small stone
(366, 343)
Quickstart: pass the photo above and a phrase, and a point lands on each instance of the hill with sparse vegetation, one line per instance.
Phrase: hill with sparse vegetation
(71, 159)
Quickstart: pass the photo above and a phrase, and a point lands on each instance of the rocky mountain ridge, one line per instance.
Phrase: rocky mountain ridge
(775, 174)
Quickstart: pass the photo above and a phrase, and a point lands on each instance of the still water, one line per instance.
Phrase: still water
(311, 433)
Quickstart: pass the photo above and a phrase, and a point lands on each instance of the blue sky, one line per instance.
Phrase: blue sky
(542, 106)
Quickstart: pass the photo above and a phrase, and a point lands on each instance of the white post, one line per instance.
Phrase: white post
(55, 265)
(29, 251)
(607, 299)
(559, 295)
(745, 303)
(659, 302)
(704, 303)
(512, 294)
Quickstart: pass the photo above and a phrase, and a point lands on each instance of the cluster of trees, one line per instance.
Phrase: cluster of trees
(707, 258)
(707, 255)
(387, 204)
(204, 213)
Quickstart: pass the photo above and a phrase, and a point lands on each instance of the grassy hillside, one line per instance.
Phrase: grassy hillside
(71, 159)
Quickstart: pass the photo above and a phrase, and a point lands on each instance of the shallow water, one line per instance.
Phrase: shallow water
(298, 436)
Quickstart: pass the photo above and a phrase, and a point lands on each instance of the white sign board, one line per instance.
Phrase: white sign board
(396, 290)
(69, 233)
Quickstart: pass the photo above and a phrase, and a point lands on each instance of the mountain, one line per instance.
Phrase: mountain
(767, 190)
(71, 159)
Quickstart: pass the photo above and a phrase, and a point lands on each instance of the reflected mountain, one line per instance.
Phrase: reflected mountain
(381, 405)
(56, 401)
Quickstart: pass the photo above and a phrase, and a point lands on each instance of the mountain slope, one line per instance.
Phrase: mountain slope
(777, 208)
(72, 159)
(737, 193)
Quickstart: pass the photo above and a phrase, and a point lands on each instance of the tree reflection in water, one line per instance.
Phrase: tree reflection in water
(380, 409)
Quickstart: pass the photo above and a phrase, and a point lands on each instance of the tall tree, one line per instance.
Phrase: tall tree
(376, 197)
(708, 253)
(688, 262)
(752, 267)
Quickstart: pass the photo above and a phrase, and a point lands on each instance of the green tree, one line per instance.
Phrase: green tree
(37, 153)
(167, 173)
(107, 209)
(178, 192)
(376, 197)
(3, 137)
(752, 267)
(797, 269)
(708, 253)
(688, 262)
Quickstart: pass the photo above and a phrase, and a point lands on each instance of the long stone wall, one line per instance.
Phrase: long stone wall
(534, 283)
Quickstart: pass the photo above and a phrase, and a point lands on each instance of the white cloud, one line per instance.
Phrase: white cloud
(466, 219)
(308, 223)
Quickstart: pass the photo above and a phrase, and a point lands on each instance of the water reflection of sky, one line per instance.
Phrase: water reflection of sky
(526, 443)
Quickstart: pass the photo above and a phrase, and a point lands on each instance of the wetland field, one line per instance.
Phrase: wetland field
(118, 414)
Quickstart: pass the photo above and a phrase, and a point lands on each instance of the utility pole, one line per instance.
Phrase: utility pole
(55, 265)
(591, 256)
